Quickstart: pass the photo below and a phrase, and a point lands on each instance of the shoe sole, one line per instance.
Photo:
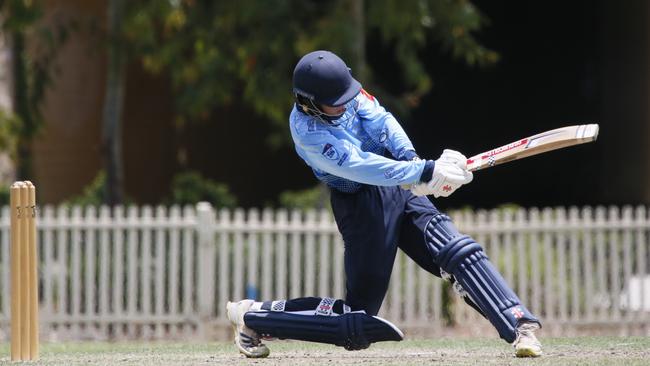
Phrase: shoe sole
(527, 352)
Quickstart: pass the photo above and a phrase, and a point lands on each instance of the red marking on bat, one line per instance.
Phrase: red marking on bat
(364, 92)
(446, 188)
(505, 148)
(470, 161)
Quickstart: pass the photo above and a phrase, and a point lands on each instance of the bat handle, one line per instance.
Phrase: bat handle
(473, 164)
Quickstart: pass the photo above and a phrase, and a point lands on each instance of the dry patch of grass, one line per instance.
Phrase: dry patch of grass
(626, 351)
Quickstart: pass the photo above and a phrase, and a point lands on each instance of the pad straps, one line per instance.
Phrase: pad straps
(325, 306)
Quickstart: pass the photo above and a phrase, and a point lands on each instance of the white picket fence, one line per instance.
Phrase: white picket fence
(153, 273)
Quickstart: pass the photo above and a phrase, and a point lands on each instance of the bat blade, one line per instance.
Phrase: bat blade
(533, 145)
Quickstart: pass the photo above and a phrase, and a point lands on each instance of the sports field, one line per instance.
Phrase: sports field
(559, 351)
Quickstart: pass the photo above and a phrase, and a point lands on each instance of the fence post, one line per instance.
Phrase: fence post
(205, 291)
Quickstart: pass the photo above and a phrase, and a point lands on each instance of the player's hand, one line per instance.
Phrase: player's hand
(454, 157)
(449, 173)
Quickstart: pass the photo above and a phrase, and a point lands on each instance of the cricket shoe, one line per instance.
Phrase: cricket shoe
(247, 340)
(526, 344)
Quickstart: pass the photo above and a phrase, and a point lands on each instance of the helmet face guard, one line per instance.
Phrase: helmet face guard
(322, 78)
(308, 107)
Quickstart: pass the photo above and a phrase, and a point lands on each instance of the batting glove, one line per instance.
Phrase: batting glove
(450, 172)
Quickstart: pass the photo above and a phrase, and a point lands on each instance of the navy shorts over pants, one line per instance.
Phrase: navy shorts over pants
(374, 222)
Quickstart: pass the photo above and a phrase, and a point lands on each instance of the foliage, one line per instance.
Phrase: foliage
(31, 70)
(316, 197)
(93, 194)
(409, 26)
(219, 53)
(9, 129)
(191, 188)
(4, 195)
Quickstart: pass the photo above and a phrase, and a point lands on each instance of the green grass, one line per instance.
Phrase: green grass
(446, 351)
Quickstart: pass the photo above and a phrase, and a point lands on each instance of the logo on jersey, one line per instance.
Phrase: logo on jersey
(391, 173)
(330, 152)
(342, 160)
(383, 136)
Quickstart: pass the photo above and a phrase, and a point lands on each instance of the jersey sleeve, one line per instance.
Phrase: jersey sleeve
(382, 126)
(323, 151)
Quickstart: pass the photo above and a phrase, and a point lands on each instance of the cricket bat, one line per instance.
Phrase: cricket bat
(533, 145)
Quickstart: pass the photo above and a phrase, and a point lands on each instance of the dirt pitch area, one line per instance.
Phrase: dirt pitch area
(559, 351)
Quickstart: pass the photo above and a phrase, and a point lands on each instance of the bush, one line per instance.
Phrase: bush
(4, 195)
(93, 194)
(190, 188)
(316, 197)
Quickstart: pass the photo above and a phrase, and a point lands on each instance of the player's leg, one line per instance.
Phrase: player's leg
(418, 212)
(314, 319)
(464, 260)
(369, 222)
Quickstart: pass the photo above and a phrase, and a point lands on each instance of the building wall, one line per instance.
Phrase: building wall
(66, 154)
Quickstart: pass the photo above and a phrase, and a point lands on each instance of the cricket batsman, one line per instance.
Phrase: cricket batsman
(360, 151)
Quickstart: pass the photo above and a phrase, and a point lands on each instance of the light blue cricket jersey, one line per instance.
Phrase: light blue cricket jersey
(350, 154)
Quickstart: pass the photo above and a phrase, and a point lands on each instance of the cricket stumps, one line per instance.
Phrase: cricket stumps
(24, 275)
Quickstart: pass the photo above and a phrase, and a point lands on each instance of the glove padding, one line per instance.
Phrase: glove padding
(450, 172)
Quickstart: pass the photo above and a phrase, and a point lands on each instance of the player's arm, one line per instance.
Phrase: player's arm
(325, 152)
(382, 126)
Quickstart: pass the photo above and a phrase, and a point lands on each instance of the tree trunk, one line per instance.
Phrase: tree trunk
(113, 103)
(22, 107)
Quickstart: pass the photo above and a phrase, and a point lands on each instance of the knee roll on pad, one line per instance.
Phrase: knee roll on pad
(353, 331)
(465, 259)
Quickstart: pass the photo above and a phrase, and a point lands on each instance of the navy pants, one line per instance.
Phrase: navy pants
(374, 222)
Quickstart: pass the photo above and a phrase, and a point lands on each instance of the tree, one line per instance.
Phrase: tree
(31, 70)
(113, 105)
(220, 52)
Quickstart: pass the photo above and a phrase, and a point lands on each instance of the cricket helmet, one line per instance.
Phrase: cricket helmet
(322, 78)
